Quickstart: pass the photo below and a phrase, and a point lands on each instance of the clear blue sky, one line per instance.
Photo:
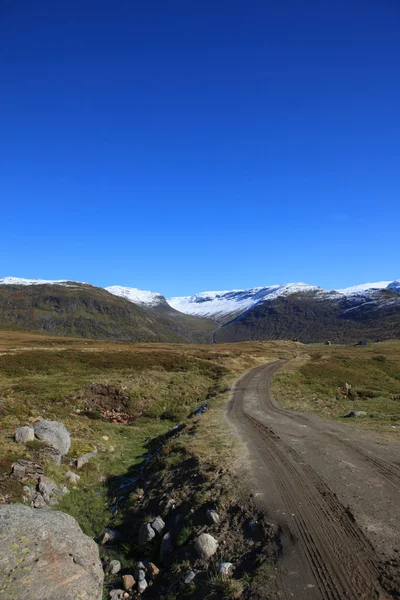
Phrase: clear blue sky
(181, 146)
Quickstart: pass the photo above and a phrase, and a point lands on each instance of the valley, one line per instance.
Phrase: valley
(153, 420)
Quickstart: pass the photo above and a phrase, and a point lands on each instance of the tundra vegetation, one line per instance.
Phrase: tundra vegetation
(126, 401)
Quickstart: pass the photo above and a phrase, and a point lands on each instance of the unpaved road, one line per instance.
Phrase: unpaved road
(334, 492)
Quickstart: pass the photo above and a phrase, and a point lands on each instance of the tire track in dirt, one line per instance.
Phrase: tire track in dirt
(342, 564)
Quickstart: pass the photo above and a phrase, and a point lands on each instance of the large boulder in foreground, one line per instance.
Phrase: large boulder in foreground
(54, 434)
(45, 555)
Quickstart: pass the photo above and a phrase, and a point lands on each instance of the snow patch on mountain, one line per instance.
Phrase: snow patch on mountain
(226, 303)
(142, 297)
(22, 281)
(365, 288)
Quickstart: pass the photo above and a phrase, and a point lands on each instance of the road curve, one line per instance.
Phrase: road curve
(333, 491)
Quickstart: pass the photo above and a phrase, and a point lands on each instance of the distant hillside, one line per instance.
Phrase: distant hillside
(78, 309)
(314, 317)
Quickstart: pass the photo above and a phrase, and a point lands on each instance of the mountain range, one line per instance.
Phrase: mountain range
(290, 311)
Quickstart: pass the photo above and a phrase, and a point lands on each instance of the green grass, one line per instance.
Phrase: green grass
(319, 385)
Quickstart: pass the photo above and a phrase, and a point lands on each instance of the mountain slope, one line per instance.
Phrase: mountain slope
(191, 327)
(78, 309)
(318, 317)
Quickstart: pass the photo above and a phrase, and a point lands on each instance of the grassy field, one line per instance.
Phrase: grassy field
(161, 385)
(316, 382)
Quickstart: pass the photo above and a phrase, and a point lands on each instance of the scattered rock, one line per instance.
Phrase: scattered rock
(54, 434)
(225, 569)
(45, 554)
(146, 533)
(139, 493)
(116, 594)
(113, 567)
(356, 413)
(18, 471)
(188, 578)
(158, 525)
(85, 458)
(39, 501)
(128, 582)
(152, 571)
(205, 546)
(141, 575)
(105, 438)
(24, 434)
(73, 478)
(110, 536)
(51, 454)
(142, 585)
(213, 517)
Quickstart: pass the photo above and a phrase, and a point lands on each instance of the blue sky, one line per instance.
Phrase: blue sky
(185, 146)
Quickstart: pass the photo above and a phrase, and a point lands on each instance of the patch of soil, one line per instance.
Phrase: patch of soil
(105, 398)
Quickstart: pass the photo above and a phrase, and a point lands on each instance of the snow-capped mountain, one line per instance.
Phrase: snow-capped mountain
(217, 305)
(224, 304)
(22, 281)
(142, 297)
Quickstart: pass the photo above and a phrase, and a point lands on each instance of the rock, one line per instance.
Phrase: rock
(54, 434)
(146, 533)
(170, 503)
(158, 525)
(84, 459)
(139, 493)
(113, 567)
(225, 569)
(166, 546)
(188, 578)
(46, 487)
(110, 536)
(128, 582)
(18, 471)
(152, 571)
(73, 478)
(51, 454)
(213, 517)
(24, 434)
(141, 586)
(141, 574)
(39, 501)
(356, 413)
(44, 554)
(205, 546)
(116, 594)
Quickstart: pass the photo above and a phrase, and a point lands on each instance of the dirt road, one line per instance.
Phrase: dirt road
(334, 492)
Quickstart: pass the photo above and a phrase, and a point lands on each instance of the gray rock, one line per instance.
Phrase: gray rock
(54, 434)
(213, 517)
(18, 471)
(44, 554)
(142, 586)
(39, 501)
(51, 454)
(85, 458)
(110, 536)
(166, 546)
(158, 525)
(188, 578)
(115, 594)
(46, 486)
(73, 478)
(225, 569)
(205, 546)
(24, 434)
(146, 533)
(141, 575)
(357, 413)
(113, 567)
